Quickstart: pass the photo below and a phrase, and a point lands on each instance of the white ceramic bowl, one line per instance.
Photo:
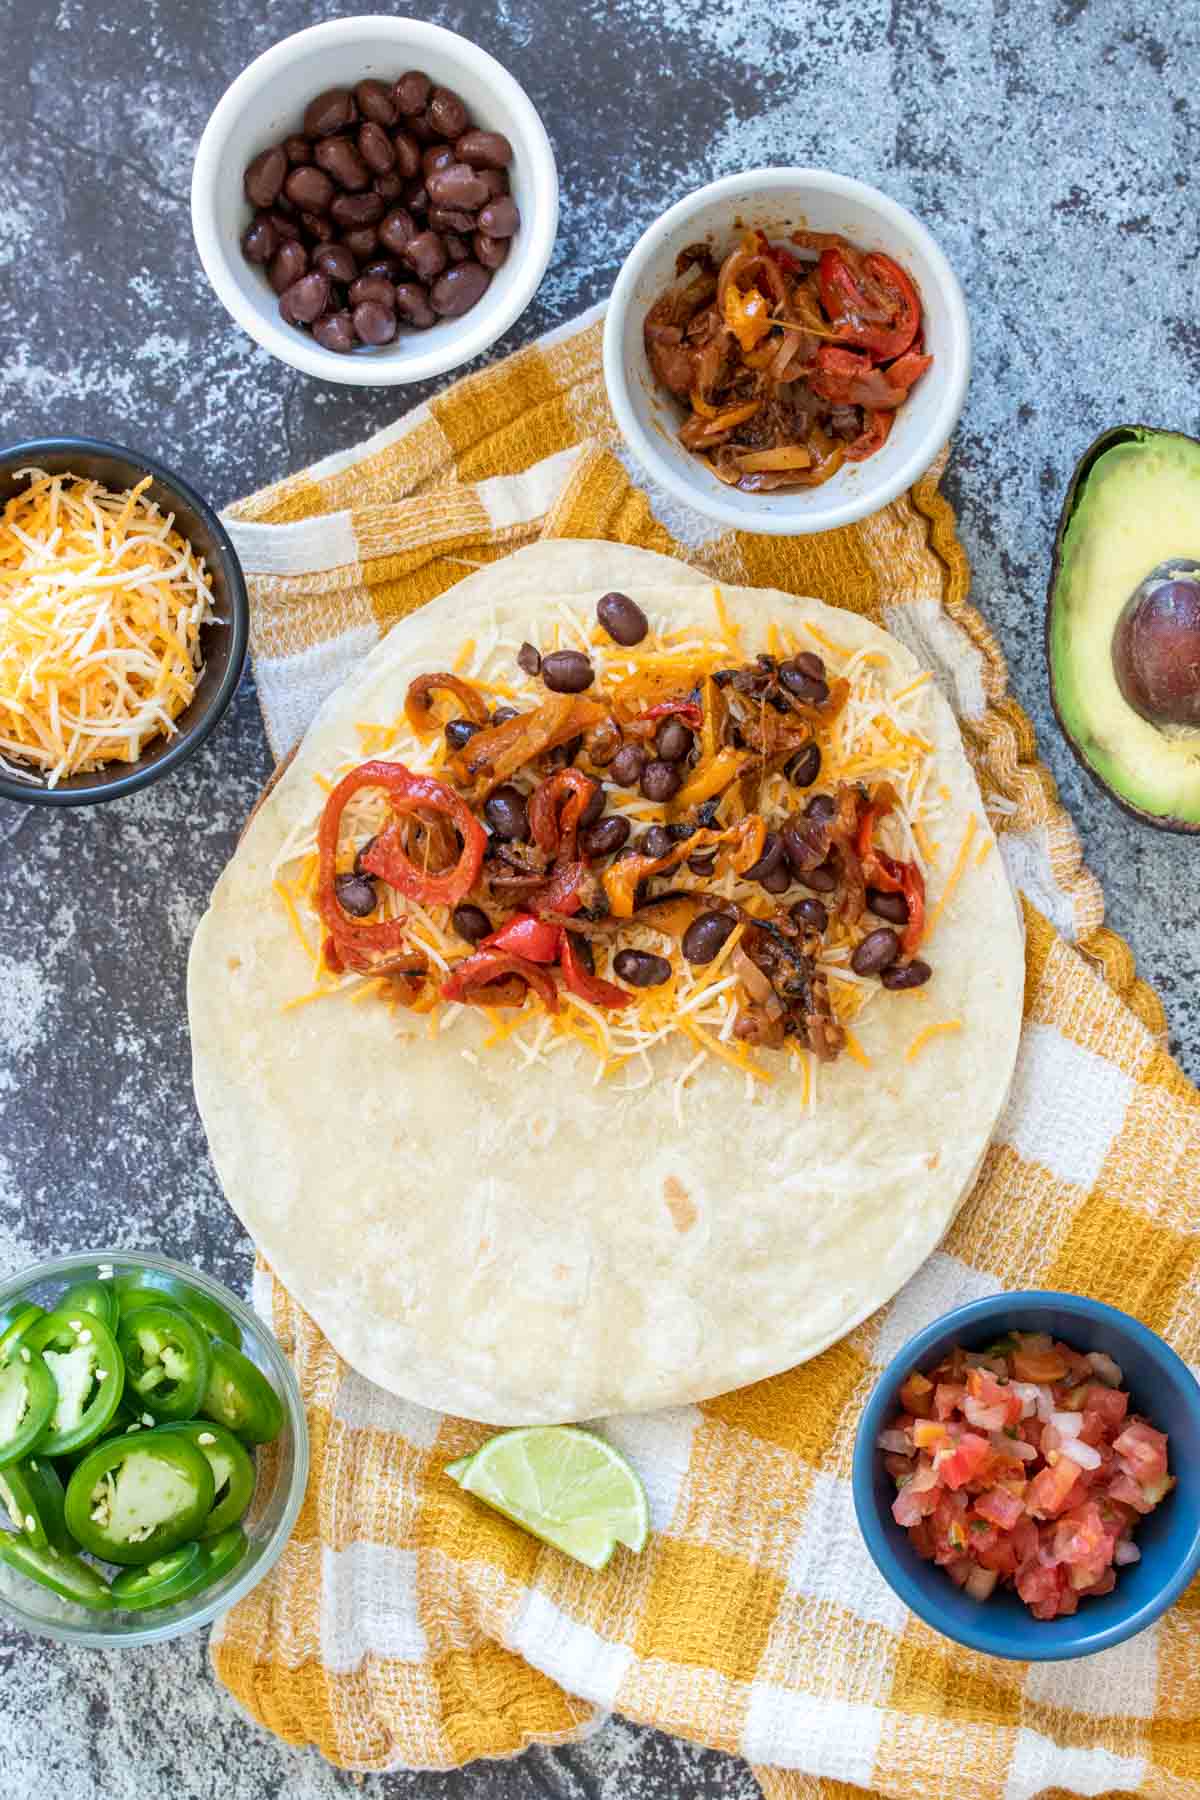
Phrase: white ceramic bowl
(780, 201)
(267, 101)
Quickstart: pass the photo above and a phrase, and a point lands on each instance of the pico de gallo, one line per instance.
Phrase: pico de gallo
(792, 362)
(626, 822)
(1022, 1466)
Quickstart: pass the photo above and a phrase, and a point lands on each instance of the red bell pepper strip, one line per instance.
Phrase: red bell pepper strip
(486, 966)
(357, 946)
(587, 986)
(687, 710)
(526, 936)
(387, 856)
(870, 301)
(907, 370)
(555, 830)
(876, 426)
(564, 893)
(888, 874)
(913, 888)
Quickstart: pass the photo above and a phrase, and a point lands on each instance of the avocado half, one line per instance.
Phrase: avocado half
(1131, 513)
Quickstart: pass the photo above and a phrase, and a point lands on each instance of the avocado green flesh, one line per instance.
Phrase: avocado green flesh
(1138, 506)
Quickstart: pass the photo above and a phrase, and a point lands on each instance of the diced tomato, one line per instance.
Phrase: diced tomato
(1123, 1488)
(1050, 1491)
(984, 1387)
(1104, 1584)
(911, 1505)
(920, 1536)
(961, 1464)
(1143, 1451)
(1080, 1538)
(916, 1396)
(1108, 1405)
(1001, 1508)
(946, 1396)
(1001, 1555)
(1037, 1365)
(1041, 1588)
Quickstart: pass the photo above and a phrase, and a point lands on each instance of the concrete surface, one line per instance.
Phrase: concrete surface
(1049, 145)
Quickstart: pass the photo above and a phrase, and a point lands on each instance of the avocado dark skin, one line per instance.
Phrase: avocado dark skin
(1123, 622)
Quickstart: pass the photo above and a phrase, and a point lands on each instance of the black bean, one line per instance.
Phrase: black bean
(308, 188)
(350, 211)
(822, 880)
(397, 231)
(412, 303)
(457, 247)
(810, 915)
(417, 199)
(627, 765)
(640, 968)
(505, 811)
(305, 300)
(893, 907)
(529, 659)
(373, 287)
(661, 780)
(377, 102)
(339, 158)
(425, 253)
(567, 671)
(705, 936)
(408, 154)
(317, 228)
(389, 186)
(878, 951)
(502, 714)
(803, 768)
(438, 156)
(821, 806)
(777, 881)
(458, 732)
(563, 754)
(265, 176)
(362, 242)
(374, 323)
(796, 675)
(455, 293)
(610, 835)
(375, 148)
(594, 807)
(448, 113)
(335, 331)
(484, 149)
(656, 842)
(906, 975)
(500, 218)
(490, 252)
(329, 112)
(297, 149)
(810, 664)
(335, 261)
(286, 228)
(673, 741)
(411, 91)
(456, 184)
(471, 923)
(446, 221)
(260, 240)
(622, 618)
(356, 894)
(497, 182)
(703, 865)
(773, 857)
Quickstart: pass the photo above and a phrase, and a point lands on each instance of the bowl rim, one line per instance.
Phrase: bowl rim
(536, 239)
(874, 1532)
(867, 499)
(185, 742)
(96, 1638)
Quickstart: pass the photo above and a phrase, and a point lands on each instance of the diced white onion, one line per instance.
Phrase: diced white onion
(980, 1582)
(897, 1441)
(1105, 1369)
(1028, 1392)
(1083, 1454)
(1126, 1552)
(1067, 1424)
(1006, 1446)
(1045, 1402)
(985, 1418)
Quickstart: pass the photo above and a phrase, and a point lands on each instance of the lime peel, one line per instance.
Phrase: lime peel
(566, 1486)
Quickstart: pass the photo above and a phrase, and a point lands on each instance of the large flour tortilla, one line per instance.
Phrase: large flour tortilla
(522, 1245)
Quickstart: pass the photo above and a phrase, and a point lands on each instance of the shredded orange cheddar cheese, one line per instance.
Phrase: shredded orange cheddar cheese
(922, 1038)
(956, 874)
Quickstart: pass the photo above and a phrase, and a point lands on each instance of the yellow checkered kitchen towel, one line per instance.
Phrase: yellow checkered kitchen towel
(405, 1625)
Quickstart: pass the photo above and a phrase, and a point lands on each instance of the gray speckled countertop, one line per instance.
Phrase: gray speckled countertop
(1050, 145)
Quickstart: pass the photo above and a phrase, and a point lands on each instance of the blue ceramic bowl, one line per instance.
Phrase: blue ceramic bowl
(1162, 1388)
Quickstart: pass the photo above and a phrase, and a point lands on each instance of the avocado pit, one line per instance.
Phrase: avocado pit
(1156, 646)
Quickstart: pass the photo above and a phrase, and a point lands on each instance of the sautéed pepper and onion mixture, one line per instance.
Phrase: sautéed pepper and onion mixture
(1023, 1466)
(628, 834)
(792, 362)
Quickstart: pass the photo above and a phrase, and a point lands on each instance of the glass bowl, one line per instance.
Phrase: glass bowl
(282, 1471)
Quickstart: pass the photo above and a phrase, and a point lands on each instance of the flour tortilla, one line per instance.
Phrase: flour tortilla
(522, 1245)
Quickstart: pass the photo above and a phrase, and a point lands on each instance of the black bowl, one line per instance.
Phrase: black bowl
(223, 642)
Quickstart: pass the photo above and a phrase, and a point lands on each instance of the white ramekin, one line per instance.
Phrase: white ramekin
(780, 201)
(267, 101)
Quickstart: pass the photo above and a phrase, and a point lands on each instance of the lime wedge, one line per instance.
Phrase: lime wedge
(568, 1487)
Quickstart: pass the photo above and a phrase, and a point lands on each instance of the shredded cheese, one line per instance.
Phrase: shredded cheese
(855, 1051)
(985, 850)
(101, 606)
(956, 874)
(922, 1038)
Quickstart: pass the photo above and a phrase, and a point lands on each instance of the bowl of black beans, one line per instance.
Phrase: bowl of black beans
(375, 200)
